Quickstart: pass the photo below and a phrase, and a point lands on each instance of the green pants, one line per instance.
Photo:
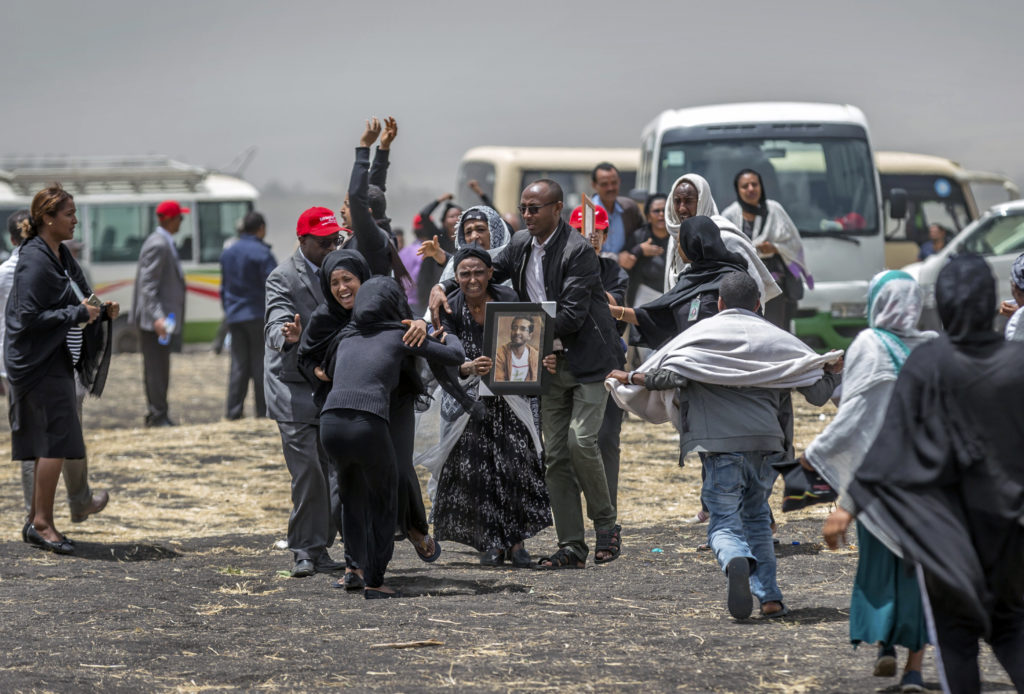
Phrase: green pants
(571, 416)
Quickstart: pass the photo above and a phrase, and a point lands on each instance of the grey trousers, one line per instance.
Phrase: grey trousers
(246, 365)
(314, 520)
(571, 416)
(156, 374)
(75, 471)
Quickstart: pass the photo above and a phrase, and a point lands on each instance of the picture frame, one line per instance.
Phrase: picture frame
(589, 218)
(517, 336)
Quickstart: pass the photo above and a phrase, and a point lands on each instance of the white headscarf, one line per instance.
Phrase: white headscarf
(499, 236)
(780, 231)
(734, 239)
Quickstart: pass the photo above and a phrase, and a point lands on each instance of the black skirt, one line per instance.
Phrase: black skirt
(44, 419)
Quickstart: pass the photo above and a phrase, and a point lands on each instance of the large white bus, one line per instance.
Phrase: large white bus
(815, 159)
(116, 200)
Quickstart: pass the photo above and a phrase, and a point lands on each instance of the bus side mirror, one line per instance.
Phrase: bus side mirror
(897, 203)
(638, 195)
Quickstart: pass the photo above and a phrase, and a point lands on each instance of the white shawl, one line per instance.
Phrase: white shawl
(780, 231)
(732, 348)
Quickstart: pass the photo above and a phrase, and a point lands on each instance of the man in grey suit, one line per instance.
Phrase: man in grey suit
(159, 293)
(293, 292)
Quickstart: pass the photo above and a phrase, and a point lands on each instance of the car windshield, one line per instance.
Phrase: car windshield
(998, 235)
(826, 185)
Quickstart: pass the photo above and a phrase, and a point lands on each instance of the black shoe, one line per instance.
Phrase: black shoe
(521, 559)
(326, 565)
(374, 594)
(303, 568)
(740, 601)
(492, 557)
(351, 581)
(164, 421)
(34, 538)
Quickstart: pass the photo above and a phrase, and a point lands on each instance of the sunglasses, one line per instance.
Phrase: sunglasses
(534, 209)
(327, 242)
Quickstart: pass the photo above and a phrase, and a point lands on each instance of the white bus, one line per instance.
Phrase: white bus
(116, 200)
(815, 159)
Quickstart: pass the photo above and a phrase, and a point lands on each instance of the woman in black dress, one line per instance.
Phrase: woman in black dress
(491, 493)
(52, 330)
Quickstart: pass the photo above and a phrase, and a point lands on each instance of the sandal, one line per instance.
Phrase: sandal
(608, 541)
(778, 613)
(562, 559)
(422, 549)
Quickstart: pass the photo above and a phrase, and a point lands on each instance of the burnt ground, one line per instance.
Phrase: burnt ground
(177, 585)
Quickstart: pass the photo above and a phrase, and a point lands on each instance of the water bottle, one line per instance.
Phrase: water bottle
(169, 324)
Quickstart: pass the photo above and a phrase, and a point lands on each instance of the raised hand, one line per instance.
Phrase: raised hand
(371, 133)
(389, 134)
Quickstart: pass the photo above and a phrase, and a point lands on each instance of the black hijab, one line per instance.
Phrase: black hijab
(710, 261)
(761, 208)
(473, 250)
(965, 295)
(380, 305)
(320, 338)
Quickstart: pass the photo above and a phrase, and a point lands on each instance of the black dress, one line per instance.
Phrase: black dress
(491, 491)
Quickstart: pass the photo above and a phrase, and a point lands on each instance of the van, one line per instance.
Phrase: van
(939, 191)
(503, 172)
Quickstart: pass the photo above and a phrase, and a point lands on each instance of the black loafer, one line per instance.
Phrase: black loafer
(303, 568)
(521, 559)
(351, 582)
(492, 557)
(37, 540)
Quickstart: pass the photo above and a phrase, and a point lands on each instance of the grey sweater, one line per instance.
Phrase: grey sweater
(724, 419)
(367, 368)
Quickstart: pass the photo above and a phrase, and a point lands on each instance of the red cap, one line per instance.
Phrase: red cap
(170, 208)
(600, 218)
(318, 221)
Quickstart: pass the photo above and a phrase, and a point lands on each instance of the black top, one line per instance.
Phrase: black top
(572, 278)
(41, 308)
(369, 237)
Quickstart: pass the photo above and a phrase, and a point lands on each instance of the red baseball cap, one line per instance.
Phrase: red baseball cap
(170, 208)
(600, 218)
(318, 221)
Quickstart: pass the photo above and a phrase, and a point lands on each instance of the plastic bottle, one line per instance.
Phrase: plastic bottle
(169, 324)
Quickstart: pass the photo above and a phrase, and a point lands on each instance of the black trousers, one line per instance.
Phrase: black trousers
(156, 374)
(246, 365)
(359, 444)
(411, 512)
(958, 637)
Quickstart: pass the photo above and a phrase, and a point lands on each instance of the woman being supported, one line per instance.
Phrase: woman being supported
(354, 422)
(490, 492)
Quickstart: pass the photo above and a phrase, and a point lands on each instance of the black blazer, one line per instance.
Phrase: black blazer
(572, 277)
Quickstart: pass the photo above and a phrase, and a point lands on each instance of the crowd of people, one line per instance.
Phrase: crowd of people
(350, 339)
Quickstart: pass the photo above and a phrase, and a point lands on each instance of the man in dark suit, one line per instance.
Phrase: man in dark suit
(159, 294)
(244, 268)
(548, 261)
(623, 214)
(293, 292)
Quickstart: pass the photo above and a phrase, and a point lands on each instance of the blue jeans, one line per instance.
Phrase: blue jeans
(736, 491)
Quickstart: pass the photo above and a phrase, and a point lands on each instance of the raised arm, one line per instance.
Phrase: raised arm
(379, 168)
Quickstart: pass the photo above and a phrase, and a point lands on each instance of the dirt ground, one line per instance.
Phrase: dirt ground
(178, 585)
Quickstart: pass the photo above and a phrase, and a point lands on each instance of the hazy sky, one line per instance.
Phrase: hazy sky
(202, 81)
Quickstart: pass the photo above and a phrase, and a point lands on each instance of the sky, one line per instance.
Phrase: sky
(204, 81)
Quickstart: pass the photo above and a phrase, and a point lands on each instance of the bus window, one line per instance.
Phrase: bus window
(183, 238)
(218, 222)
(115, 233)
(479, 171)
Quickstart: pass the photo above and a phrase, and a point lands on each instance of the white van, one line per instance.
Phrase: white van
(116, 200)
(815, 159)
(503, 172)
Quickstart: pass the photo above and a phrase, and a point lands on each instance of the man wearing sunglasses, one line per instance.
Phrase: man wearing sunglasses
(548, 261)
(293, 292)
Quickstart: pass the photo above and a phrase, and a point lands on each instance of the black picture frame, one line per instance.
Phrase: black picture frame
(499, 320)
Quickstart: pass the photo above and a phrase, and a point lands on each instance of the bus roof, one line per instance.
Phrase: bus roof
(757, 112)
(117, 178)
(570, 158)
(910, 163)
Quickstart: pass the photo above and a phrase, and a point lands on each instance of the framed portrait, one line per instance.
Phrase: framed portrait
(517, 335)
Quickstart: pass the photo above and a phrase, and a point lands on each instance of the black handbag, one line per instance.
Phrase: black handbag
(803, 487)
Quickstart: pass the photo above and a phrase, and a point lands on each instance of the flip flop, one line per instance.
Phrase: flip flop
(775, 615)
(431, 558)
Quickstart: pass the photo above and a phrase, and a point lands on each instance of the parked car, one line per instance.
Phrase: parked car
(998, 236)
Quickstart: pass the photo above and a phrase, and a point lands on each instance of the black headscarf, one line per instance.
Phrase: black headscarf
(320, 338)
(761, 208)
(473, 250)
(710, 261)
(380, 305)
(965, 295)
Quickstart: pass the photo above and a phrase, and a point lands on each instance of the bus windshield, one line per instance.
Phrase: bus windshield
(827, 185)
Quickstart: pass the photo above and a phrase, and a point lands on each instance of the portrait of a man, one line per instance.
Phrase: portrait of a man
(518, 359)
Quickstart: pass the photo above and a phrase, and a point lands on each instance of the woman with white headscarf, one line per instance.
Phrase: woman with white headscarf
(690, 196)
(777, 240)
(886, 603)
